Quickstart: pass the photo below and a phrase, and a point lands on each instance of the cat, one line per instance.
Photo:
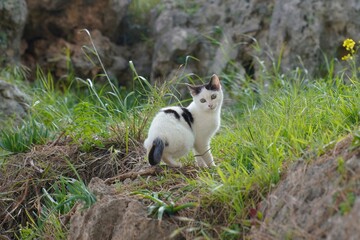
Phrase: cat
(174, 131)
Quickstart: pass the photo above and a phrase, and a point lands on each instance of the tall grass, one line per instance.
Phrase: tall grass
(57, 201)
(293, 120)
(21, 139)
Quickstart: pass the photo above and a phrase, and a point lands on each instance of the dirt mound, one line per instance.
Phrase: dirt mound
(24, 176)
(114, 216)
(317, 199)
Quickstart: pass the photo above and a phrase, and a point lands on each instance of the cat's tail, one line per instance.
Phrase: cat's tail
(156, 151)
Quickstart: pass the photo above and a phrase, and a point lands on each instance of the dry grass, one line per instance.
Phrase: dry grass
(314, 195)
(23, 176)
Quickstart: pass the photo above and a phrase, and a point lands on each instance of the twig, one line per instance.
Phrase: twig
(57, 140)
(66, 218)
(21, 200)
(133, 175)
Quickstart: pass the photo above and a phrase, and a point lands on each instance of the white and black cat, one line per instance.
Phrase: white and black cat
(176, 130)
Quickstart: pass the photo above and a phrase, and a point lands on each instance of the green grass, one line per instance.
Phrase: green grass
(21, 139)
(263, 131)
(291, 121)
(163, 203)
(57, 200)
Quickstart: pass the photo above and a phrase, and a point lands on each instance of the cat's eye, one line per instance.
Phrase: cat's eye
(202, 100)
(213, 96)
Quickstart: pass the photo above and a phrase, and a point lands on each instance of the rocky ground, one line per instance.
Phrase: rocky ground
(242, 36)
(315, 199)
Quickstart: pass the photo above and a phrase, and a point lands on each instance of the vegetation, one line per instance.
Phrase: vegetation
(263, 130)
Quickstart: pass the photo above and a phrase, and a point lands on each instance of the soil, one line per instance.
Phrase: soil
(316, 198)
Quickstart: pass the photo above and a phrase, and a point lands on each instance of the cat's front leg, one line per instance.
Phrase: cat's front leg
(199, 160)
(203, 156)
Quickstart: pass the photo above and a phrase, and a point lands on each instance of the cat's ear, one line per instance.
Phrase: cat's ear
(214, 83)
(194, 90)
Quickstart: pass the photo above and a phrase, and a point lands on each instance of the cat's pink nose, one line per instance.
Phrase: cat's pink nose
(211, 106)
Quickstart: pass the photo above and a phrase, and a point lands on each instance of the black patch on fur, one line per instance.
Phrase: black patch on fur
(170, 111)
(156, 151)
(187, 116)
(211, 86)
(195, 90)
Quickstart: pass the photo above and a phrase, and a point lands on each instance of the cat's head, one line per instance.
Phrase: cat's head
(207, 97)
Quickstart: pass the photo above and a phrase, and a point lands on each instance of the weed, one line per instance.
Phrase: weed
(21, 139)
(341, 167)
(58, 200)
(65, 193)
(344, 200)
(356, 140)
(87, 127)
(348, 203)
(140, 8)
(161, 207)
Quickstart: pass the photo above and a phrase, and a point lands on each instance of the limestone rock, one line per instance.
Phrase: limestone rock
(310, 30)
(13, 103)
(240, 36)
(217, 33)
(228, 33)
(315, 200)
(57, 19)
(116, 217)
(54, 38)
(13, 15)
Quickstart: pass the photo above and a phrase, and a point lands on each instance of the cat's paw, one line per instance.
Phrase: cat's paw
(174, 164)
(201, 164)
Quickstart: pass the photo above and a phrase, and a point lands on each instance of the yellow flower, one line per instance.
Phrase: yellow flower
(347, 57)
(349, 44)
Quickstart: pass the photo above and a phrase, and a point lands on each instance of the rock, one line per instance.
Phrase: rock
(241, 37)
(116, 217)
(171, 50)
(315, 199)
(55, 40)
(307, 31)
(58, 19)
(13, 15)
(217, 33)
(228, 33)
(13, 103)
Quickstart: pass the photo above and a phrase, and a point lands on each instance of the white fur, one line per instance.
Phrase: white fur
(179, 138)
(176, 134)
(206, 124)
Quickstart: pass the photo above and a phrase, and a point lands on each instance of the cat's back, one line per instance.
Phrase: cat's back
(171, 124)
(172, 117)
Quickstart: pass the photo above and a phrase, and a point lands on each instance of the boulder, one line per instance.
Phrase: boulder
(13, 15)
(56, 42)
(228, 34)
(218, 34)
(13, 103)
(241, 37)
(305, 32)
(316, 199)
(116, 217)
